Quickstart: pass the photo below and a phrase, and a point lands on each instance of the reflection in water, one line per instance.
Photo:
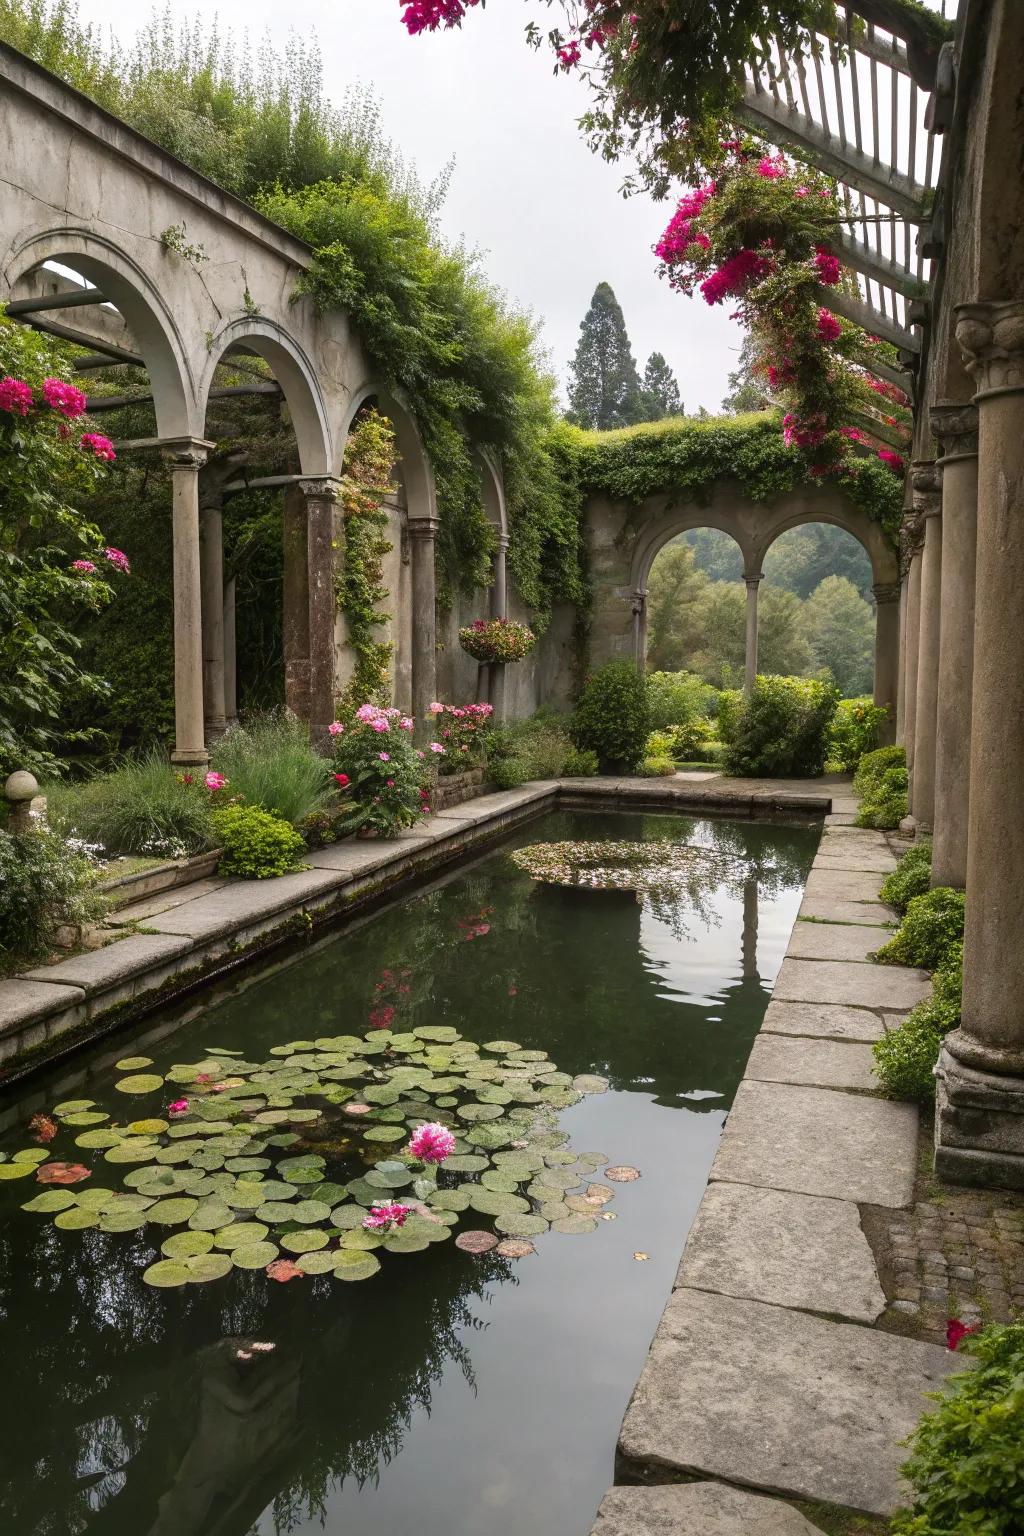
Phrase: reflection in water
(448, 1394)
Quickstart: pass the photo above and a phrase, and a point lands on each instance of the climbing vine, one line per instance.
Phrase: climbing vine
(366, 480)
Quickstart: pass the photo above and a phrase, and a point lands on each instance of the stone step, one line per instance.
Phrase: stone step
(696, 1509)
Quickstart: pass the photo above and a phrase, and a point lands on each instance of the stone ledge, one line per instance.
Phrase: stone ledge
(696, 1509)
(778, 1058)
(822, 1021)
(834, 941)
(862, 986)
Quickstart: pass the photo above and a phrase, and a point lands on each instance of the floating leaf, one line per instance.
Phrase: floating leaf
(169, 1213)
(309, 1212)
(133, 1063)
(316, 1262)
(385, 1133)
(521, 1224)
(61, 1173)
(185, 1245)
(85, 1117)
(501, 1047)
(359, 1237)
(166, 1273)
(515, 1248)
(147, 1082)
(641, 1258)
(404, 1241)
(137, 1149)
(466, 1162)
(574, 1223)
(284, 1269)
(254, 1255)
(97, 1140)
(147, 1127)
(349, 1217)
(50, 1200)
(304, 1241)
(239, 1234)
(117, 1219)
(72, 1106)
(476, 1242)
(622, 1174)
(31, 1155)
(207, 1266)
(76, 1219)
(355, 1266)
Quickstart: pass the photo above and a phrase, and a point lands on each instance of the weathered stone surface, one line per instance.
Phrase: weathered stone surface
(246, 903)
(27, 1002)
(785, 1249)
(779, 1400)
(844, 885)
(835, 857)
(819, 1142)
(825, 1021)
(847, 837)
(100, 969)
(859, 986)
(832, 909)
(812, 1063)
(696, 1509)
(833, 941)
(162, 901)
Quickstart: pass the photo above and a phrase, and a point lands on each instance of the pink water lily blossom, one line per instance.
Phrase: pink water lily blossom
(179, 1107)
(384, 1216)
(431, 1143)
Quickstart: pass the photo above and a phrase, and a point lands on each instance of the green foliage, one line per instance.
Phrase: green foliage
(141, 807)
(839, 627)
(912, 875)
(257, 846)
(802, 558)
(580, 764)
(856, 727)
(932, 926)
(367, 474)
(883, 795)
(657, 768)
(44, 885)
(613, 717)
(679, 699)
(271, 764)
(46, 479)
(604, 387)
(385, 790)
(905, 1057)
(538, 748)
(873, 766)
(659, 391)
(782, 728)
(966, 1463)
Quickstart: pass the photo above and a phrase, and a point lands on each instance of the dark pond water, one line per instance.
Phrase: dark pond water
(448, 1395)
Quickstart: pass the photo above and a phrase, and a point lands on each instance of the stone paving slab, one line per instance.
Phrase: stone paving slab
(843, 885)
(833, 941)
(245, 903)
(868, 860)
(161, 901)
(847, 981)
(830, 909)
(812, 1063)
(825, 1021)
(816, 1141)
(784, 1249)
(125, 960)
(26, 1002)
(696, 1509)
(780, 1401)
(849, 836)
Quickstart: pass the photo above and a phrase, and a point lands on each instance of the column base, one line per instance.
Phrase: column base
(979, 1125)
(190, 757)
(907, 829)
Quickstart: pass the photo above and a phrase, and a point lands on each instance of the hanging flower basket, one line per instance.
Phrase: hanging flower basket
(489, 640)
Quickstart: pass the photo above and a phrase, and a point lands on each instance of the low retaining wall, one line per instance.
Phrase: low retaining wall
(49, 1010)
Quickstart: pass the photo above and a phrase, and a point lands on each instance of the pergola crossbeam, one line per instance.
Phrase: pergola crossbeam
(82, 339)
(870, 320)
(871, 263)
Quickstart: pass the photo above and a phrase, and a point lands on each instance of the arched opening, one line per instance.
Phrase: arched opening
(695, 607)
(820, 576)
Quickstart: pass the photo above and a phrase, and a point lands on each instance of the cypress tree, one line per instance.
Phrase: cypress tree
(604, 387)
(659, 391)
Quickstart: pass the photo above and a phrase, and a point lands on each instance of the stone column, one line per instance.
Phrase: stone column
(295, 602)
(927, 484)
(956, 429)
(901, 683)
(186, 456)
(323, 559)
(979, 1127)
(750, 666)
(230, 655)
(639, 611)
(422, 531)
(211, 562)
(887, 645)
(499, 610)
(912, 537)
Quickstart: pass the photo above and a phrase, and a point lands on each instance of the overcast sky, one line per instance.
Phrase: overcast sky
(526, 190)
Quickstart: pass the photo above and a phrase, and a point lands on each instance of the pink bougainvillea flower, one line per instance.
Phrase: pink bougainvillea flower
(569, 56)
(385, 1215)
(829, 328)
(65, 398)
(15, 396)
(85, 566)
(380, 1018)
(385, 757)
(179, 1107)
(101, 446)
(956, 1330)
(431, 1143)
(734, 276)
(852, 434)
(118, 559)
(771, 167)
(827, 265)
(391, 783)
(894, 460)
(335, 728)
(341, 779)
(428, 15)
(215, 781)
(435, 746)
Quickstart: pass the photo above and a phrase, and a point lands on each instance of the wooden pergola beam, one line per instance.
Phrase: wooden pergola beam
(870, 320)
(873, 264)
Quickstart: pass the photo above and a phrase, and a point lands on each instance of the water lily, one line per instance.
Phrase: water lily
(431, 1143)
(385, 1215)
(179, 1107)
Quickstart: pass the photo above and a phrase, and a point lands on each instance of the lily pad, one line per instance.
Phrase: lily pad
(574, 1223)
(31, 1155)
(496, 1178)
(349, 1217)
(304, 1241)
(361, 1238)
(85, 1117)
(316, 1262)
(147, 1127)
(72, 1106)
(50, 1200)
(98, 1140)
(207, 1266)
(167, 1273)
(133, 1063)
(621, 1174)
(515, 1248)
(170, 1213)
(254, 1255)
(476, 1242)
(118, 1219)
(589, 1082)
(275, 1211)
(349, 1265)
(450, 1199)
(146, 1082)
(466, 1162)
(137, 1149)
(239, 1234)
(59, 1173)
(76, 1219)
(309, 1212)
(494, 1202)
(521, 1225)
(501, 1047)
(385, 1133)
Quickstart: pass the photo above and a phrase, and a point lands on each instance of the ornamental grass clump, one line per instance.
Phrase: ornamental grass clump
(384, 774)
(613, 718)
(256, 845)
(270, 763)
(931, 930)
(142, 807)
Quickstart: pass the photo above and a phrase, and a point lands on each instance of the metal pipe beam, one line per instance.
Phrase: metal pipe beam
(82, 339)
(17, 307)
(97, 403)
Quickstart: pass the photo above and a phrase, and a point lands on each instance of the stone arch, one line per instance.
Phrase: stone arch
(868, 533)
(296, 375)
(416, 472)
(136, 298)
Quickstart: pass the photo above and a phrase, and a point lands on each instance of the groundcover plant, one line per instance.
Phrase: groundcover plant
(235, 1164)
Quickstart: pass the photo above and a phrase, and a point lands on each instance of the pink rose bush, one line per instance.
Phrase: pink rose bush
(377, 766)
(462, 732)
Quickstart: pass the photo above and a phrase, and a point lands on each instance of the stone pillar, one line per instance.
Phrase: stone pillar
(956, 428)
(887, 646)
(323, 559)
(186, 456)
(211, 561)
(499, 610)
(295, 603)
(639, 610)
(422, 531)
(927, 484)
(979, 1127)
(901, 683)
(912, 540)
(230, 655)
(750, 665)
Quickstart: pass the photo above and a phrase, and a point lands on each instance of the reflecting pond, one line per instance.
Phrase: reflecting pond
(453, 1394)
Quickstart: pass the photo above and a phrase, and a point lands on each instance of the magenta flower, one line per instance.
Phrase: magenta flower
(956, 1330)
(771, 167)
(101, 446)
(436, 708)
(569, 55)
(385, 1215)
(435, 746)
(118, 559)
(15, 396)
(827, 264)
(379, 725)
(335, 728)
(894, 460)
(179, 1107)
(215, 781)
(431, 1143)
(405, 724)
(829, 328)
(85, 566)
(65, 398)
(385, 757)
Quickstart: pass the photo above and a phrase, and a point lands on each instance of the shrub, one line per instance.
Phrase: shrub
(271, 764)
(911, 877)
(933, 924)
(612, 717)
(385, 773)
(140, 808)
(728, 713)
(678, 698)
(462, 731)
(856, 727)
(256, 845)
(885, 804)
(539, 748)
(45, 884)
(966, 1462)
(507, 772)
(782, 727)
(905, 1057)
(873, 766)
(580, 764)
(657, 768)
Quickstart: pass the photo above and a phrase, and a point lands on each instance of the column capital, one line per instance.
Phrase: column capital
(886, 591)
(320, 487)
(185, 452)
(926, 488)
(955, 428)
(991, 338)
(423, 527)
(753, 578)
(638, 598)
(501, 543)
(911, 540)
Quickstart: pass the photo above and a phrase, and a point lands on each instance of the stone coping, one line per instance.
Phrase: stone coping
(176, 944)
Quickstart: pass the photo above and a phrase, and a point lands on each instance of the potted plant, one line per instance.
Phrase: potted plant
(497, 640)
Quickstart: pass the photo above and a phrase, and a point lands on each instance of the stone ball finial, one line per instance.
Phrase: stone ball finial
(21, 785)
